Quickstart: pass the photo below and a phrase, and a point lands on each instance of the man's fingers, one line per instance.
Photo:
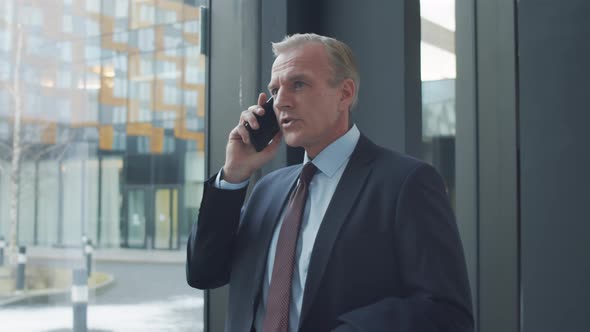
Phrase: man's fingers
(240, 133)
(262, 98)
(256, 109)
(244, 134)
(248, 116)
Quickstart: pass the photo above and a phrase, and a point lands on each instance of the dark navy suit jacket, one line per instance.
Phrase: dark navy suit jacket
(387, 256)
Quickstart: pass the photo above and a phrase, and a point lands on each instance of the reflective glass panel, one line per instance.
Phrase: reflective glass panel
(438, 70)
(102, 161)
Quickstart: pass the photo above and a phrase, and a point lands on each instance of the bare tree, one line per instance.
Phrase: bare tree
(23, 147)
(16, 150)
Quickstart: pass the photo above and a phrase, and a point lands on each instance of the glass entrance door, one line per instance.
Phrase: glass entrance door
(136, 218)
(166, 218)
(152, 218)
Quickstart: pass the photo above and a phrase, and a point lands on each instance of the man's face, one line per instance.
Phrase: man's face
(311, 112)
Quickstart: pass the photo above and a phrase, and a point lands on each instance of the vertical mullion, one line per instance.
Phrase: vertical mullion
(497, 156)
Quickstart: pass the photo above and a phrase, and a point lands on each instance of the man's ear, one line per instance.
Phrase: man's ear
(347, 90)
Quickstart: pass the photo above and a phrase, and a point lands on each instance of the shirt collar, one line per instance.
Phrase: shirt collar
(330, 159)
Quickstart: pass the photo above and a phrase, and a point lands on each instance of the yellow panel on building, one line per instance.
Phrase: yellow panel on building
(49, 134)
(157, 140)
(105, 140)
(181, 132)
(139, 129)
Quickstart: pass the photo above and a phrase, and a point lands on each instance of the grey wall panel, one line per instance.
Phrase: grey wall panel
(554, 48)
(385, 39)
(466, 140)
(233, 85)
(224, 84)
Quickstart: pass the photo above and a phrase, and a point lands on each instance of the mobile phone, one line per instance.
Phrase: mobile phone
(268, 127)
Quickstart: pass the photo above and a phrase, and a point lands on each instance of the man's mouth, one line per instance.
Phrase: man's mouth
(286, 122)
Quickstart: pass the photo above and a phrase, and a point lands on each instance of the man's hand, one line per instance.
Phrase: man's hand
(241, 159)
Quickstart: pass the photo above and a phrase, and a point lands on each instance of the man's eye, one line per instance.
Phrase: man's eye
(274, 91)
(298, 84)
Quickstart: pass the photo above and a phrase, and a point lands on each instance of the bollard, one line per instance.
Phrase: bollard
(88, 253)
(79, 299)
(2, 246)
(20, 272)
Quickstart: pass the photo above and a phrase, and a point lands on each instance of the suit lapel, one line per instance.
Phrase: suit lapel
(353, 179)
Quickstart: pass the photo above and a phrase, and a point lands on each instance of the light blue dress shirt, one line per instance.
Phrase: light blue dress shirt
(331, 163)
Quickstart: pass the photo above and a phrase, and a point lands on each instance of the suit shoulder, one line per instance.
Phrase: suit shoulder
(398, 170)
(405, 168)
(395, 160)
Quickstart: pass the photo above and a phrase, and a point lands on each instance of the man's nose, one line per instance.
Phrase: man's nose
(282, 99)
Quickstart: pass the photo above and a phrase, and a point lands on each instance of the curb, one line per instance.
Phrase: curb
(110, 255)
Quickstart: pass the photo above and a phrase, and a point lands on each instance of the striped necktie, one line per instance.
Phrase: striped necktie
(276, 318)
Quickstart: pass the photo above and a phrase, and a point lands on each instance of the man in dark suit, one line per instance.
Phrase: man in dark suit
(359, 239)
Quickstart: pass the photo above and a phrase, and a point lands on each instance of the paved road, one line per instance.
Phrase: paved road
(144, 282)
(144, 297)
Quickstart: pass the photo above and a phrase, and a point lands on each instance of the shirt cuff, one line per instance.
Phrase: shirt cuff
(222, 184)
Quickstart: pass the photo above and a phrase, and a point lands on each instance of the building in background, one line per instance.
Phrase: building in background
(111, 99)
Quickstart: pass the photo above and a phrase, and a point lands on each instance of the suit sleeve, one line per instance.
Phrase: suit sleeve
(212, 239)
(430, 255)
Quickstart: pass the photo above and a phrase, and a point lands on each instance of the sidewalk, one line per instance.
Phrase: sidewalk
(65, 257)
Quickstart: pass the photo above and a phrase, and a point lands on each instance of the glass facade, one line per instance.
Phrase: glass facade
(102, 138)
(109, 101)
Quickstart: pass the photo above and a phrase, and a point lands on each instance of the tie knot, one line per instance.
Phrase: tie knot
(307, 173)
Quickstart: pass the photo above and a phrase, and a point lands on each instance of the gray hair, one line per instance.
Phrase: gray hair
(340, 57)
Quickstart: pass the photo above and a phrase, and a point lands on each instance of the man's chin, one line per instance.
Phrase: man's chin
(292, 141)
